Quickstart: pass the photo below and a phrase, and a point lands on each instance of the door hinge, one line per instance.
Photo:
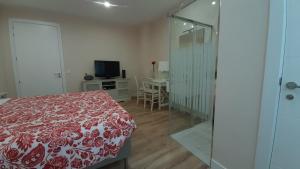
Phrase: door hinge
(280, 81)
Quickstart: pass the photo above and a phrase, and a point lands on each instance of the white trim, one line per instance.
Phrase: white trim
(216, 165)
(13, 55)
(62, 65)
(13, 50)
(271, 87)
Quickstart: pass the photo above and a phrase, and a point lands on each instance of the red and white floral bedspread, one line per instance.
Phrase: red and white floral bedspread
(72, 130)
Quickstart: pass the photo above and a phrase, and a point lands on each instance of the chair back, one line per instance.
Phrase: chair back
(147, 85)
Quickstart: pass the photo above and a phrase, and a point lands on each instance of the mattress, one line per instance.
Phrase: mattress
(74, 130)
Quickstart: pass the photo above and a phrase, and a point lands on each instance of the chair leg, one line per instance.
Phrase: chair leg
(125, 163)
(137, 98)
(152, 102)
(144, 100)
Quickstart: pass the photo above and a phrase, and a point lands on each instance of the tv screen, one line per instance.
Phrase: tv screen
(107, 69)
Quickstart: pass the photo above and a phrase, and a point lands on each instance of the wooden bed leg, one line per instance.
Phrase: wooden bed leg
(125, 163)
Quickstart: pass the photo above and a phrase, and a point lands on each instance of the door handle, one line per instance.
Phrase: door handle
(58, 75)
(292, 85)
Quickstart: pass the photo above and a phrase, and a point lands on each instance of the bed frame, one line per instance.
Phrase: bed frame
(123, 156)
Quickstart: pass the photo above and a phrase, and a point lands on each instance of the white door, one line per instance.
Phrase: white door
(38, 59)
(286, 148)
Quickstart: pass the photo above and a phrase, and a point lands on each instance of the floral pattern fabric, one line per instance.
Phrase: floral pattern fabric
(73, 130)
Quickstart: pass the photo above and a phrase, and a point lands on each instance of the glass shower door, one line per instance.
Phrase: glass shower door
(192, 86)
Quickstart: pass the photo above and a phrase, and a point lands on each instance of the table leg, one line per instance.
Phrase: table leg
(159, 97)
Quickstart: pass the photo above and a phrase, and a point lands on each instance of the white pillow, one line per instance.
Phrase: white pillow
(2, 101)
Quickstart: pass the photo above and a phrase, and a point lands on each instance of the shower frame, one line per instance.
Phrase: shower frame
(172, 15)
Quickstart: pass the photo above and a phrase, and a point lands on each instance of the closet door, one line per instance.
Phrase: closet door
(38, 58)
(286, 148)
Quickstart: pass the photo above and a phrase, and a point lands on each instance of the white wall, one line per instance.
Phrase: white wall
(3, 85)
(154, 45)
(242, 46)
(83, 41)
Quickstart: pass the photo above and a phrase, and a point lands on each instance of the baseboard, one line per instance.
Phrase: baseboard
(216, 165)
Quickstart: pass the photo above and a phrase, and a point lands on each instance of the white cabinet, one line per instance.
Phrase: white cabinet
(117, 88)
(3, 95)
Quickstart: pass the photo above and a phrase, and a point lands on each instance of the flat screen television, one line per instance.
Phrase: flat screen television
(107, 69)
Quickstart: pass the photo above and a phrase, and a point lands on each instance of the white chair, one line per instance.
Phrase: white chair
(139, 91)
(150, 95)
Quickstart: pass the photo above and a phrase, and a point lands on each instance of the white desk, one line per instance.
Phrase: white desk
(160, 84)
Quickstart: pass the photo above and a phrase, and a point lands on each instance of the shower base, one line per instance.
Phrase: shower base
(197, 140)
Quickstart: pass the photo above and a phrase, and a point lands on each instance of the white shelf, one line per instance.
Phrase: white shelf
(122, 88)
(119, 91)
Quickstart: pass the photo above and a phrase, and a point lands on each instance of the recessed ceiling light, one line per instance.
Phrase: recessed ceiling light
(214, 3)
(105, 3)
(184, 23)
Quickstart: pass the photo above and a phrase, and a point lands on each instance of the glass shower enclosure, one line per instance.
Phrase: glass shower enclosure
(192, 85)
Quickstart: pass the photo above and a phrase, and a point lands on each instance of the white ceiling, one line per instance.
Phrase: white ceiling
(138, 11)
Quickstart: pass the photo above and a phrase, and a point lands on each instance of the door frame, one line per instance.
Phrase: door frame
(272, 83)
(11, 22)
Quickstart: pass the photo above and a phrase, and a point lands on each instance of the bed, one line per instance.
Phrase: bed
(74, 130)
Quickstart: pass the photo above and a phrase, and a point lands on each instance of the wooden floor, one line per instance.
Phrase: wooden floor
(152, 148)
